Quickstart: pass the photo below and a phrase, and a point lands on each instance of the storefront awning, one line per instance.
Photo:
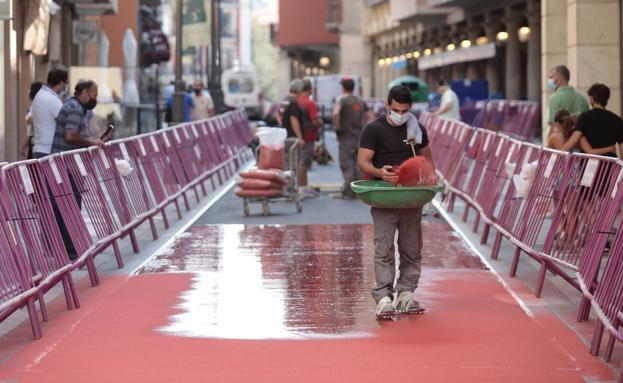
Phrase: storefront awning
(475, 53)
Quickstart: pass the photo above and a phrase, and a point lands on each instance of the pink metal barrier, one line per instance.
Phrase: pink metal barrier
(518, 119)
(31, 227)
(165, 165)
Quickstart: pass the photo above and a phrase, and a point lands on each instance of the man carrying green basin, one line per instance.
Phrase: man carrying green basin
(382, 147)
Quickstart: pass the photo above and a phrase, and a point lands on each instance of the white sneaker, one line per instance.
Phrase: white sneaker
(306, 192)
(384, 306)
(406, 303)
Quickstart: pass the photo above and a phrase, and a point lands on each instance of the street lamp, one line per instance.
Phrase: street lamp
(177, 109)
(214, 81)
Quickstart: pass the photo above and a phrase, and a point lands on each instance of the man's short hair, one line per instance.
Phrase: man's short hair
(57, 75)
(35, 87)
(296, 86)
(563, 71)
(401, 94)
(83, 85)
(307, 85)
(442, 83)
(348, 84)
(600, 93)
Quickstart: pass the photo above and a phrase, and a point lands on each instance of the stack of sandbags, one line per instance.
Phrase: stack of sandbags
(261, 183)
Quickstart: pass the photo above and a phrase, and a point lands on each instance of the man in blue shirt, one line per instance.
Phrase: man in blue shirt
(188, 105)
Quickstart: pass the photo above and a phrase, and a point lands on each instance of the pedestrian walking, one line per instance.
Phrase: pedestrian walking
(382, 147)
(26, 149)
(449, 106)
(45, 108)
(349, 116)
(204, 105)
(71, 133)
(310, 125)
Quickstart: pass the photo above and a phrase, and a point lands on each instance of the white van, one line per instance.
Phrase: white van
(241, 90)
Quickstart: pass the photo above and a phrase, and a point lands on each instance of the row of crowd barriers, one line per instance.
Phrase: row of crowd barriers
(569, 218)
(167, 165)
(518, 119)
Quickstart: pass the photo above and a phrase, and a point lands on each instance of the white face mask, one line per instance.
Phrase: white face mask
(398, 119)
(64, 92)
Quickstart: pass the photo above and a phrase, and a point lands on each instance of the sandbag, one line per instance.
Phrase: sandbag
(272, 157)
(269, 175)
(258, 184)
(269, 193)
(416, 171)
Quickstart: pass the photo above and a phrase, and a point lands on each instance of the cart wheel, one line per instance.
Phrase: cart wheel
(245, 207)
(265, 208)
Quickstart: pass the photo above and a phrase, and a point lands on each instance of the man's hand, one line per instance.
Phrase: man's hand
(387, 174)
(300, 142)
(98, 142)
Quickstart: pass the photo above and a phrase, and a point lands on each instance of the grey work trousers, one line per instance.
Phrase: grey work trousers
(408, 223)
(348, 147)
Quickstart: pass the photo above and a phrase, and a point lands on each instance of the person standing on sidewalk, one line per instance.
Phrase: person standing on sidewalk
(349, 116)
(71, 133)
(449, 106)
(27, 144)
(204, 105)
(565, 96)
(381, 149)
(45, 108)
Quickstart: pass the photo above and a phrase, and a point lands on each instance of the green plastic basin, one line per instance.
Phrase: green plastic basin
(385, 195)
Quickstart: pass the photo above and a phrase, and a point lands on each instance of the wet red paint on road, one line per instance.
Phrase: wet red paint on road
(307, 286)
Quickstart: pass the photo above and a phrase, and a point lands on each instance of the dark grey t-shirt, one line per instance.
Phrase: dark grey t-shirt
(388, 144)
(352, 112)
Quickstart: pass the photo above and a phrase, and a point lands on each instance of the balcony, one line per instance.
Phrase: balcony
(419, 10)
(95, 7)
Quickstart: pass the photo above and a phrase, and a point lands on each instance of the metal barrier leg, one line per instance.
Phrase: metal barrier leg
(118, 256)
(34, 320)
(92, 272)
(610, 346)
(154, 231)
(584, 309)
(476, 222)
(67, 290)
(496, 246)
(465, 213)
(43, 307)
(485, 234)
(597, 335)
(515, 263)
(451, 199)
(541, 279)
(134, 242)
(177, 208)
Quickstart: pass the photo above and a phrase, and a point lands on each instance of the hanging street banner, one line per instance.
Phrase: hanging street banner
(196, 22)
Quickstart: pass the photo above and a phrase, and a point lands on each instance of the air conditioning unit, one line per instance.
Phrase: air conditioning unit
(95, 7)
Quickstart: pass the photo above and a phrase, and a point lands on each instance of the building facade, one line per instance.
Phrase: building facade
(512, 44)
(43, 33)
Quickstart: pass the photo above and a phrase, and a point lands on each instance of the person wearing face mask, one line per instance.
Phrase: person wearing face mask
(381, 148)
(564, 98)
(45, 108)
(71, 130)
(204, 105)
(449, 106)
(72, 133)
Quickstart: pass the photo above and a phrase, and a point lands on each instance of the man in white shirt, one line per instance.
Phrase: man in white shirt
(45, 108)
(449, 106)
(204, 105)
